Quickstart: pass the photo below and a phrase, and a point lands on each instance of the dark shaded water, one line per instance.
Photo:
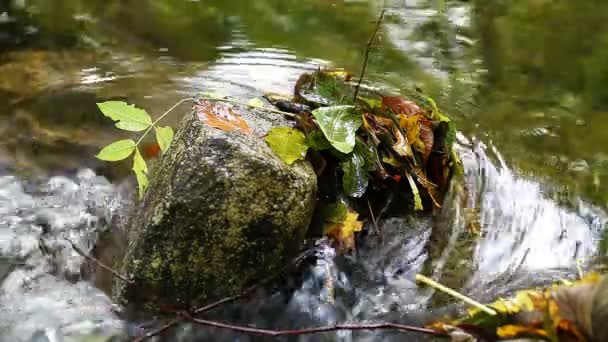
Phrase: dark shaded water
(530, 101)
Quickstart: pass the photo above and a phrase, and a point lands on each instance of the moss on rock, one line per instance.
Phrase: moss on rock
(221, 212)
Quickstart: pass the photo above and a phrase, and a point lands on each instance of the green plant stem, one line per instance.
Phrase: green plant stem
(291, 115)
(436, 285)
(161, 117)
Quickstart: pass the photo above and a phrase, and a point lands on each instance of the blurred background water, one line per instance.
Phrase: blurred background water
(525, 81)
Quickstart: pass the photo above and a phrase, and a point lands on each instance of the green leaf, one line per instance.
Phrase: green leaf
(436, 113)
(372, 104)
(141, 172)
(369, 154)
(117, 150)
(355, 178)
(288, 143)
(415, 192)
(317, 140)
(256, 102)
(339, 124)
(392, 162)
(164, 136)
(334, 212)
(127, 117)
(324, 89)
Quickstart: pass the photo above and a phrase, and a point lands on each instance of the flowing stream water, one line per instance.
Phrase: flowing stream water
(534, 168)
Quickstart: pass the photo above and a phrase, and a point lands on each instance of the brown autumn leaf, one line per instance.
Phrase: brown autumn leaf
(427, 137)
(399, 105)
(221, 116)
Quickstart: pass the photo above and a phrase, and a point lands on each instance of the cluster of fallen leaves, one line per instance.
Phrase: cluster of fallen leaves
(562, 312)
(382, 140)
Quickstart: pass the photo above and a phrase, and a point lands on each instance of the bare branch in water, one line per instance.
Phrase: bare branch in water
(99, 263)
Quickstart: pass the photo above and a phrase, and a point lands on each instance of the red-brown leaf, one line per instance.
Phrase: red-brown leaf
(427, 137)
(399, 105)
(221, 116)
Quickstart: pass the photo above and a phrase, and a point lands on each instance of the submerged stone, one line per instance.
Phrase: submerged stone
(221, 212)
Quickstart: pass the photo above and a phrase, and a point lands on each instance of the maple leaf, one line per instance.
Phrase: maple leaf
(221, 116)
(344, 232)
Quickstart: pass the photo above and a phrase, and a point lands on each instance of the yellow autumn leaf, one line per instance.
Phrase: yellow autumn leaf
(344, 232)
(351, 225)
(505, 306)
(412, 129)
(512, 331)
(526, 299)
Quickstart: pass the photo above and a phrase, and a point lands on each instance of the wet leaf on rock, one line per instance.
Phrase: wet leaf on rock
(355, 178)
(221, 116)
(117, 150)
(127, 117)
(339, 124)
(324, 89)
(288, 143)
(256, 103)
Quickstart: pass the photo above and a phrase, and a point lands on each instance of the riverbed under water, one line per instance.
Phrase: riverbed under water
(529, 101)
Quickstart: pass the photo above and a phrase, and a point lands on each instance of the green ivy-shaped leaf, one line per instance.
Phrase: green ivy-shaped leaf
(288, 143)
(164, 136)
(141, 172)
(117, 150)
(334, 212)
(339, 124)
(355, 178)
(317, 140)
(127, 117)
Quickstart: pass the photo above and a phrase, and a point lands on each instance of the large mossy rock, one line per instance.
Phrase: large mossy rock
(221, 212)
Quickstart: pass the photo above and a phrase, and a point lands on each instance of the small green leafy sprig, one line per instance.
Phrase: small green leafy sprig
(133, 119)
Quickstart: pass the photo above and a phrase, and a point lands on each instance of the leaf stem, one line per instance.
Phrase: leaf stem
(436, 285)
(291, 115)
(161, 117)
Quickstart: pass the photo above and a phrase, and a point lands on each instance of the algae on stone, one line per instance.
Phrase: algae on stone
(222, 211)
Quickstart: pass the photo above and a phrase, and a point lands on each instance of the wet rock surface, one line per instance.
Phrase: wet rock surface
(44, 288)
(222, 211)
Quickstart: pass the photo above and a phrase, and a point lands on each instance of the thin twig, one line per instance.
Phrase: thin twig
(316, 330)
(444, 289)
(161, 117)
(367, 49)
(371, 214)
(291, 115)
(99, 263)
